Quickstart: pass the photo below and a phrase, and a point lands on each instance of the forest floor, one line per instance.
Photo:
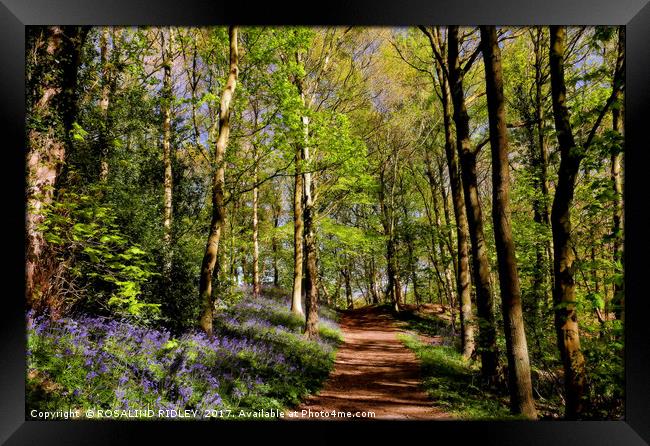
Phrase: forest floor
(375, 371)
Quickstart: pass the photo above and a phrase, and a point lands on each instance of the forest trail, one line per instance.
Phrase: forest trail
(374, 371)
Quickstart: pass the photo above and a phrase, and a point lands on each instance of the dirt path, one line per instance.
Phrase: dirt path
(374, 371)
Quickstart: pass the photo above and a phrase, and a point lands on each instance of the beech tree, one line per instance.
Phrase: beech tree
(616, 171)
(519, 382)
(221, 132)
(462, 231)
(467, 156)
(566, 313)
(166, 105)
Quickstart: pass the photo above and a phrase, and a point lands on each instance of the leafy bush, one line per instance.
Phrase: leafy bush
(605, 372)
(103, 270)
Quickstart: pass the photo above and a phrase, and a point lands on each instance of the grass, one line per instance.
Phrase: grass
(453, 382)
(257, 360)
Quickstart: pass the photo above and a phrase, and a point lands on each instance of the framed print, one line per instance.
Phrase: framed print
(386, 220)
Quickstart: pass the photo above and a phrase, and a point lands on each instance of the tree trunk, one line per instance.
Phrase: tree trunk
(244, 268)
(256, 248)
(274, 245)
(542, 158)
(414, 275)
(412, 263)
(232, 261)
(337, 290)
(166, 104)
(439, 239)
(400, 297)
(372, 281)
(326, 294)
(299, 259)
(448, 239)
(566, 317)
(484, 299)
(345, 272)
(369, 282)
(104, 102)
(463, 279)
(617, 182)
(519, 381)
(311, 272)
(298, 237)
(51, 98)
(218, 208)
(393, 289)
(308, 217)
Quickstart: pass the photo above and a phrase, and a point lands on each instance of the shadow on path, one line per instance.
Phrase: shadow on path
(373, 371)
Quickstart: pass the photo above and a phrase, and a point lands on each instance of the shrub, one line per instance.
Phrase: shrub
(98, 268)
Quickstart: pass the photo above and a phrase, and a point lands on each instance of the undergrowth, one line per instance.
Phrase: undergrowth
(453, 382)
(257, 360)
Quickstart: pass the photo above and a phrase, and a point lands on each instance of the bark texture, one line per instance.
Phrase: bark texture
(218, 207)
(617, 179)
(256, 247)
(311, 272)
(52, 62)
(166, 107)
(276, 208)
(386, 203)
(484, 300)
(519, 381)
(566, 316)
(463, 280)
(104, 103)
(298, 237)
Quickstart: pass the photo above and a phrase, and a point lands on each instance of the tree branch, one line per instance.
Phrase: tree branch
(409, 63)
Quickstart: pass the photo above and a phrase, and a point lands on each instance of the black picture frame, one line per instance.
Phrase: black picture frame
(16, 14)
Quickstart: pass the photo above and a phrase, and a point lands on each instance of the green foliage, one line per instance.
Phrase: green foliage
(78, 133)
(603, 349)
(107, 270)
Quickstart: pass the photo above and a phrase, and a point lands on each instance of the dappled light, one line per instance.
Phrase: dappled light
(339, 223)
